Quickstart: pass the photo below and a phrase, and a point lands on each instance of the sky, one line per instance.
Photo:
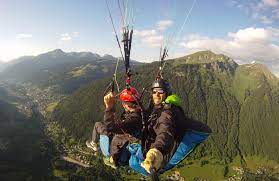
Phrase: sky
(245, 30)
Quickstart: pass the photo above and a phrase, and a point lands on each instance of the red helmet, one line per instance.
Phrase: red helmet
(129, 95)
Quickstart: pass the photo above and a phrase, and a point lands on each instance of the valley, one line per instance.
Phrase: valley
(226, 96)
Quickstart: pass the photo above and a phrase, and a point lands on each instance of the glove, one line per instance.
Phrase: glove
(109, 100)
(154, 159)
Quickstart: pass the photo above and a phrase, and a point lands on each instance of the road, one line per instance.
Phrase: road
(68, 159)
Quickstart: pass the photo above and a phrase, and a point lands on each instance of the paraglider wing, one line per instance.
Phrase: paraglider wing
(190, 140)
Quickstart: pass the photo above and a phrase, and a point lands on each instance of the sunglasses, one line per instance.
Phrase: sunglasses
(158, 91)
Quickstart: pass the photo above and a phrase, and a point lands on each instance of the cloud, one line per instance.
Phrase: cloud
(69, 36)
(154, 41)
(75, 34)
(145, 33)
(23, 36)
(276, 13)
(245, 45)
(150, 37)
(164, 24)
(153, 37)
(266, 11)
(252, 35)
(65, 37)
(272, 3)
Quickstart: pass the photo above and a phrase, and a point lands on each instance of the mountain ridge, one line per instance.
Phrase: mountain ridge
(231, 103)
(67, 71)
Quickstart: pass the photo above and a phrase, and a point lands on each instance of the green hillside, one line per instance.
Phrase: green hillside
(23, 152)
(241, 106)
(27, 153)
(239, 102)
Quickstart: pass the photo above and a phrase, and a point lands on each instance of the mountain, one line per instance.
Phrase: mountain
(67, 71)
(27, 151)
(2, 66)
(22, 148)
(239, 102)
(203, 57)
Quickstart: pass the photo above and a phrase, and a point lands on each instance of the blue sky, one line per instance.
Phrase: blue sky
(245, 30)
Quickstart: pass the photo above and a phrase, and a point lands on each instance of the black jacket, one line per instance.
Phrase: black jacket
(128, 123)
(160, 130)
(165, 127)
(125, 130)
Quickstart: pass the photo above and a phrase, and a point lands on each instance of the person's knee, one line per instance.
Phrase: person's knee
(98, 123)
(101, 128)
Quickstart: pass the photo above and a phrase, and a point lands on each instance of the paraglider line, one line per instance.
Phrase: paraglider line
(117, 39)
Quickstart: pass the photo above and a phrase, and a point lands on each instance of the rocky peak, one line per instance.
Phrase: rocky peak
(209, 60)
(108, 57)
(54, 53)
(259, 70)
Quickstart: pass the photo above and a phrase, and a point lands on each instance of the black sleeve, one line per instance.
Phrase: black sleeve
(109, 115)
(165, 132)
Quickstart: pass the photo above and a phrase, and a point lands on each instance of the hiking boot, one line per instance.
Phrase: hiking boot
(109, 162)
(92, 145)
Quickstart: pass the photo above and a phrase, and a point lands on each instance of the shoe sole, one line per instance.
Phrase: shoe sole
(89, 146)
